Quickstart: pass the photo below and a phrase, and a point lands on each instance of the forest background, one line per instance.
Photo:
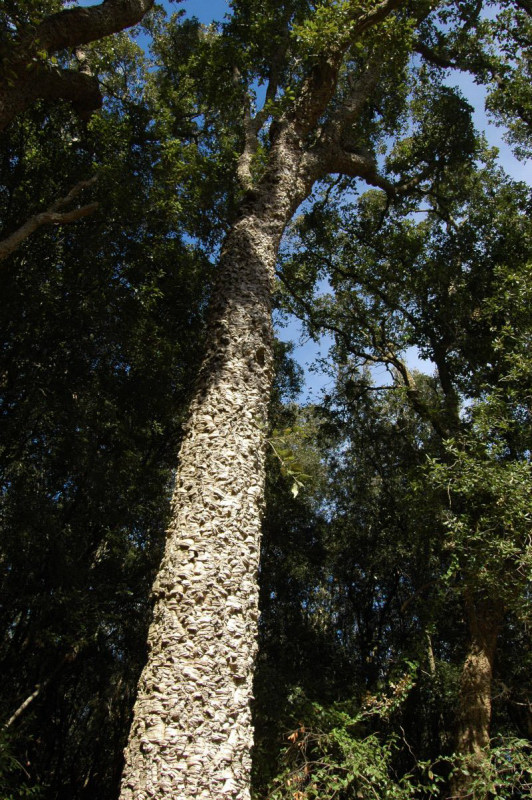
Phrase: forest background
(395, 569)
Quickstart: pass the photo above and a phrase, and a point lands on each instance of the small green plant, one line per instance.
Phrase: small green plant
(504, 774)
(15, 781)
(333, 753)
(350, 752)
(284, 444)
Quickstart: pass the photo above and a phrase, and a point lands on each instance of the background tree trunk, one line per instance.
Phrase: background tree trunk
(473, 739)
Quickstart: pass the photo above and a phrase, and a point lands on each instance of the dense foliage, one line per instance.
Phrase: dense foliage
(398, 520)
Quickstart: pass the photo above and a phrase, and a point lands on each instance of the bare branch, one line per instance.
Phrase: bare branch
(68, 658)
(52, 216)
(253, 124)
(23, 706)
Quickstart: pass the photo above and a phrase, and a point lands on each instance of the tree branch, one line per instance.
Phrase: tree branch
(384, 354)
(374, 16)
(433, 57)
(52, 216)
(319, 86)
(414, 396)
(80, 88)
(253, 124)
(334, 152)
(76, 26)
(330, 157)
(68, 658)
(25, 76)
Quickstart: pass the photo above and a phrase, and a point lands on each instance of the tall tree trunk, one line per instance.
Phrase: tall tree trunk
(473, 737)
(191, 735)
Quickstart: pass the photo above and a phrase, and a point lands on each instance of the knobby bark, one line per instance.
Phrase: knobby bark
(191, 736)
(473, 737)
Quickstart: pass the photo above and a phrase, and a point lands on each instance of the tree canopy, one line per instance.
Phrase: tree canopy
(395, 556)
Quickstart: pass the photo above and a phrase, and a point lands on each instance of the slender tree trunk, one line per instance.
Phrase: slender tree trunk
(473, 738)
(191, 735)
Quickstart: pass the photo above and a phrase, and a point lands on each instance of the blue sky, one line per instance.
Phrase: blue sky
(205, 10)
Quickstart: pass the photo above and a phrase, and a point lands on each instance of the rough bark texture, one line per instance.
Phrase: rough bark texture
(473, 739)
(192, 734)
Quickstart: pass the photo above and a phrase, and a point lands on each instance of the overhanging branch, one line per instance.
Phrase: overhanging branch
(76, 26)
(25, 74)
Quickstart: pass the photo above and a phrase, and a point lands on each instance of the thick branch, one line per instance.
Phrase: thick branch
(24, 76)
(334, 151)
(80, 88)
(76, 26)
(435, 58)
(451, 402)
(374, 16)
(330, 157)
(360, 91)
(251, 144)
(52, 216)
(49, 83)
(416, 401)
(253, 124)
